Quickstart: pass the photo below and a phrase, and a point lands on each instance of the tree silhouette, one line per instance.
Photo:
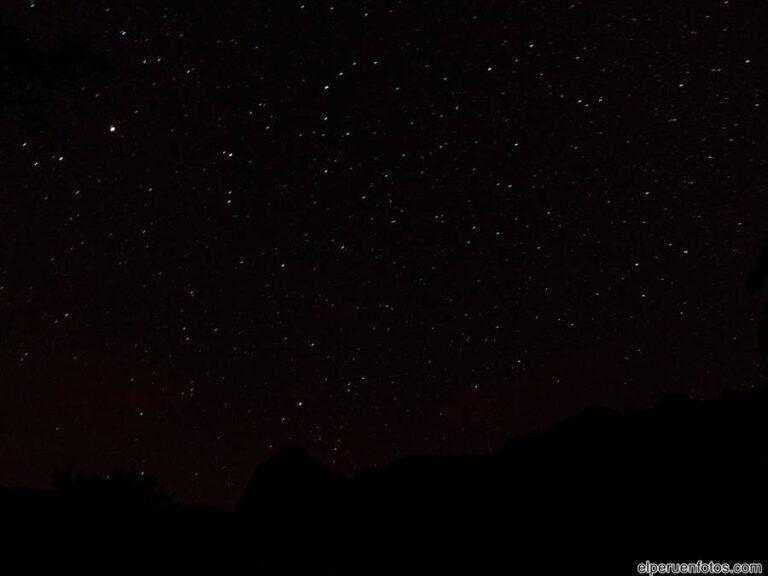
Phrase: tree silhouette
(126, 489)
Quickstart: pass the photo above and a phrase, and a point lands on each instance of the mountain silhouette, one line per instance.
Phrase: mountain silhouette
(683, 480)
(599, 493)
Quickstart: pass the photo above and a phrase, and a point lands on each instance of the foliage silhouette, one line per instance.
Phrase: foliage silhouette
(121, 489)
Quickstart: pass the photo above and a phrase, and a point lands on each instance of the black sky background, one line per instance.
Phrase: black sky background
(369, 228)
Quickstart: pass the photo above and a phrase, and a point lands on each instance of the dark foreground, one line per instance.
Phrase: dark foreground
(599, 493)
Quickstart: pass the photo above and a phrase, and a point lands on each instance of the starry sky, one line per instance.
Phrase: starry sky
(369, 228)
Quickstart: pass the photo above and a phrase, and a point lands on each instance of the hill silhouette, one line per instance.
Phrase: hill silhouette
(684, 480)
(600, 492)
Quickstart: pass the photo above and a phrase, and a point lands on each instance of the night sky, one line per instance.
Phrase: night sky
(369, 228)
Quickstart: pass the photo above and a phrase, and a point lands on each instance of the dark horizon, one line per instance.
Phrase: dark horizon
(607, 492)
(371, 229)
